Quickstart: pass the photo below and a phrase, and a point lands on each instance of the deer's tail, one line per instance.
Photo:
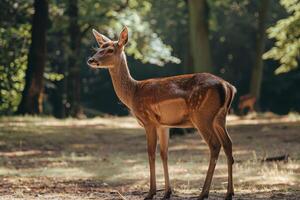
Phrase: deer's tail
(229, 93)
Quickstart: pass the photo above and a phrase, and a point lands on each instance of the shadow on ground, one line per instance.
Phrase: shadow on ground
(93, 161)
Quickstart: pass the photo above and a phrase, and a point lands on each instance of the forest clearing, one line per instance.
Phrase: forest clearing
(76, 76)
(106, 158)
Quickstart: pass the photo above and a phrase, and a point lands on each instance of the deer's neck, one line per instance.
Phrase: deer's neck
(123, 83)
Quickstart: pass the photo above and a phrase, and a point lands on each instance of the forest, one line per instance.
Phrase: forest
(45, 46)
(60, 119)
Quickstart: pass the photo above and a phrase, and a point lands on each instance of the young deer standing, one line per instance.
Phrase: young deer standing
(197, 100)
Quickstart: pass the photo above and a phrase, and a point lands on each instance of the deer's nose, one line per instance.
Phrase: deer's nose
(91, 61)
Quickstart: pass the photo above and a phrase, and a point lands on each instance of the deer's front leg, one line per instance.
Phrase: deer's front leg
(151, 146)
(163, 135)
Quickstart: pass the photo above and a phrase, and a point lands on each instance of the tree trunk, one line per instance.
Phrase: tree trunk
(74, 81)
(60, 94)
(257, 71)
(61, 102)
(188, 60)
(199, 36)
(32, 96)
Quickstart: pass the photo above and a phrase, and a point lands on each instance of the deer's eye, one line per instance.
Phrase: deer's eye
(105, 45)
(110, 51)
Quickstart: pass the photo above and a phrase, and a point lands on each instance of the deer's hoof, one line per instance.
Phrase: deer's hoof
(150, 195)
(229, 196)
(167, 194)
(202, 196)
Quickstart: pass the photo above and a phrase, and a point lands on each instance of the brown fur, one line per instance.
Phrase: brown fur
(247, 101)
(199, 100)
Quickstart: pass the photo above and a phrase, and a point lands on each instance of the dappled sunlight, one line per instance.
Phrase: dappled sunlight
(275, 175)
(7, 171)
(50, 172)
(59, 172)
(98, 122)
(25, 153)
(187, 147)
(130, 122)
(89, 89)
(137, 171)
(262, 118)
(83, 146)
(270, 176)
(244, 152)
(115, 159)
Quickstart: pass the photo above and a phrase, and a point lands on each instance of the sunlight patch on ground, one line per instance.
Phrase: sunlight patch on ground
(24, 153)
(49, 172)
(187, 147)
(100, 122)
(112, 157)
(130, 121)
(266, 175)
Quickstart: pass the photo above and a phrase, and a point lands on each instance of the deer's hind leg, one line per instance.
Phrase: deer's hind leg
(206, 130)
(225, 140)
(151, 136)
(163, 135)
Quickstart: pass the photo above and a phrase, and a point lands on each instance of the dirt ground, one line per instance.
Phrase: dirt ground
(105, 158)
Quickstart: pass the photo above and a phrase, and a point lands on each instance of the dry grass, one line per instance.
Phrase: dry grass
(105, 158)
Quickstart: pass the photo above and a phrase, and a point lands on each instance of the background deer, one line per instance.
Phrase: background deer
(199, 100)
(247, 102)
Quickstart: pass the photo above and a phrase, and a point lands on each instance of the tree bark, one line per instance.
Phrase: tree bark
(188, 60)
(32, 96)
(257, 71)
(59, 100)
(74, 79)
(199, 36)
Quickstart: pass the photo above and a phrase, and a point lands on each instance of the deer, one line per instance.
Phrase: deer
(199, 100)
(247, 101)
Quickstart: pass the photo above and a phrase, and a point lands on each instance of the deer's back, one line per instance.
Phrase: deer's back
(170, 101)
(177, 86)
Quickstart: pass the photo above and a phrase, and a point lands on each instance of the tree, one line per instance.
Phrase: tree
(108, 16)
(74, 68)
(257, 71)
(286, 32)
(73, 76)
(199, 35)
(14, 40)
(32, 96)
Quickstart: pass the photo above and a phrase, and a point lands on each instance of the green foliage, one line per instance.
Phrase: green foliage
(15, 38)
(110, 17)
(144, 43)
(52, 76)
(286, 32)
(171, 29)
(158, 34)
(14, 42)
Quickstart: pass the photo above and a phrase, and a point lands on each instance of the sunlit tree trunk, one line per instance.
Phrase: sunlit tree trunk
(74, 81)
(32, 96)
(199, 36)
(257, 70)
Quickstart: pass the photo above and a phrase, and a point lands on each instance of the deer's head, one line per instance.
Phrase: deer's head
(109, 52)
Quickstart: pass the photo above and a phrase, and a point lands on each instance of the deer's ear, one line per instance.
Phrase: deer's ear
(123, 38)
(100, 38)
